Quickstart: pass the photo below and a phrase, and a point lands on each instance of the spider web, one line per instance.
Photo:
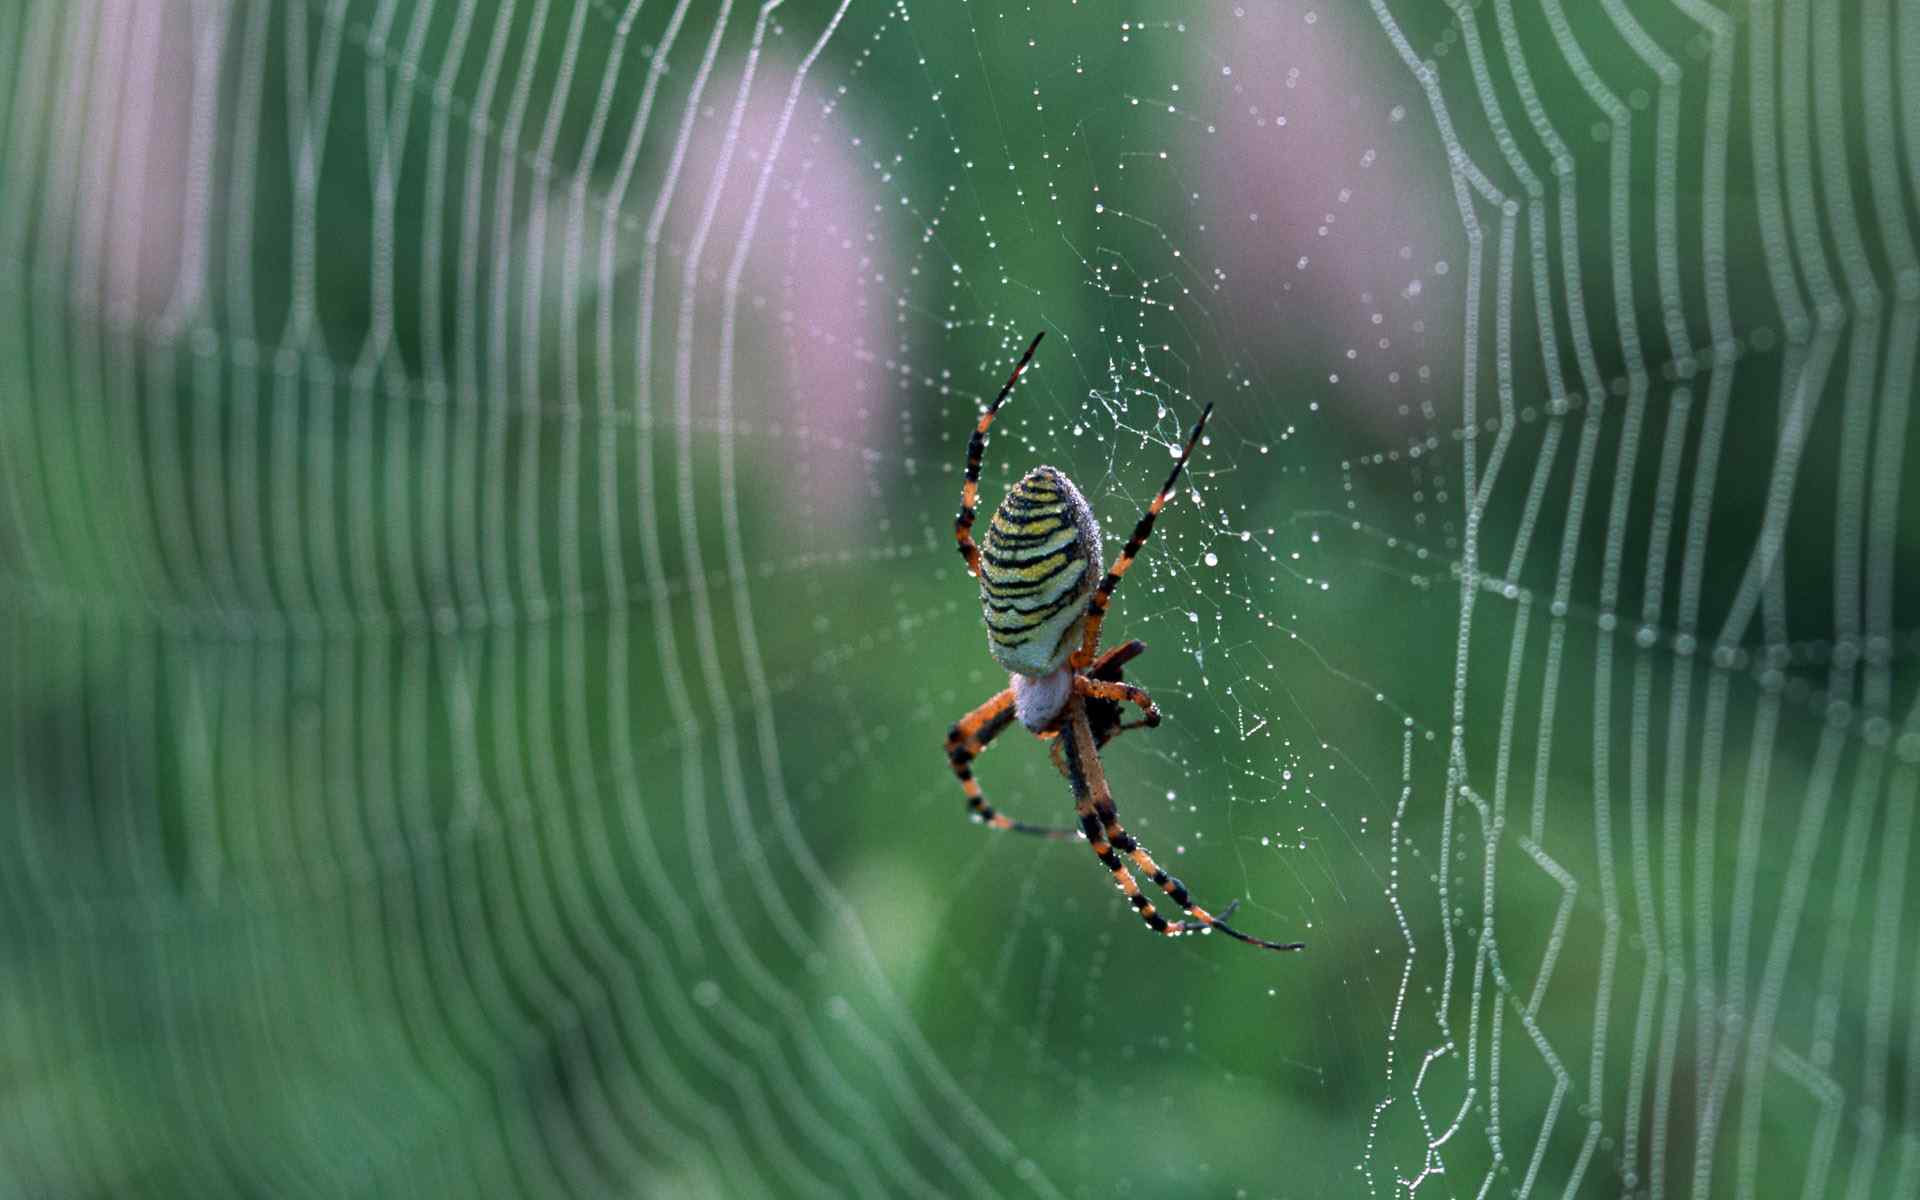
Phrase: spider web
(475, 545)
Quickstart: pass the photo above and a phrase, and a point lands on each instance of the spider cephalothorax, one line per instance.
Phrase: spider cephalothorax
(1037, 565)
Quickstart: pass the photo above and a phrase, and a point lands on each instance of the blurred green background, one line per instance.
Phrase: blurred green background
(475, 547)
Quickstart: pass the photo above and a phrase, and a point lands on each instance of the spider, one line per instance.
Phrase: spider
(1043, 614)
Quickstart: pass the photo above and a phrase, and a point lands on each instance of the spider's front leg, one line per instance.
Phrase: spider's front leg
(1103, 595)
(976, 451)
(970, 736)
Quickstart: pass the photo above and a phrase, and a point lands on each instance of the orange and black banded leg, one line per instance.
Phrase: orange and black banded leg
(1101, 822)
(1172, 886)
(968, 737)
(976, 451)
(1119, 693)
(1103, 595)
(1105, 715)
(1089, 795)
(1101, 736)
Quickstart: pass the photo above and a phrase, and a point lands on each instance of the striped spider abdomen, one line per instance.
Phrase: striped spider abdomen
(1039, 562)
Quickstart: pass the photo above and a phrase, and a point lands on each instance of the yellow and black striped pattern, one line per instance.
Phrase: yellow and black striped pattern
(1039, 561)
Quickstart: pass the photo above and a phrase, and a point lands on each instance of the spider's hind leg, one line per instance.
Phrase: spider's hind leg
(1101, 822)
(1092, 801)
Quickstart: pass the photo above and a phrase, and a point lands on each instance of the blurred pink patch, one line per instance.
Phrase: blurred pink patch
(126, 169)
(1326, 202)
(813, 295)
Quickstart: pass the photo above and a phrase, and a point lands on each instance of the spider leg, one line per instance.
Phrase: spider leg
(1089, 793)
(1101, 689)
(1105, 720)
(1101, 821)
(965, 741)
(1105, 717)
(1103, 595)
(1100, 740)
(976, 450)
(1112, 664)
